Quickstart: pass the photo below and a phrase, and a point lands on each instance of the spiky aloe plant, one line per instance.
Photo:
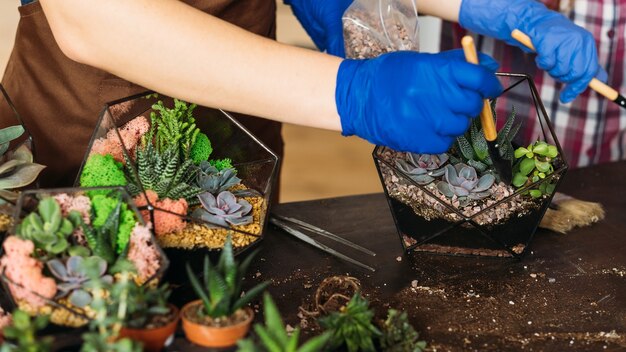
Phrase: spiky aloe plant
(163, 172)
(221, 288)
(17, 168)
(273, 336)
(472, 146)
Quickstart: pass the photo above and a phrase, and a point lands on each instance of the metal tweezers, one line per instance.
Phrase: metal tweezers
(287, 223)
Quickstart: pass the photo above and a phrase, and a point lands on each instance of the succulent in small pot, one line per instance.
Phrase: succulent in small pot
(149, 318)
(220, 317)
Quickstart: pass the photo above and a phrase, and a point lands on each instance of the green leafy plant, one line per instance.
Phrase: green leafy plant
(274, 338)
(352, 326)
(104, 329)
(472, 146)
(221, 288)
(398, 335)
(23, 330)
(534, 163)
(175, 127)
(47, 227)
(17, 169)
(164, 173)
(143, 303)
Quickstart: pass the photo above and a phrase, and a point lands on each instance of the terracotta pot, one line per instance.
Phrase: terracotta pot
(210, 336)
(153, 339)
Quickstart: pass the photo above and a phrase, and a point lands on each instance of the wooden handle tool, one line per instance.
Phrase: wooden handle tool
(595, 83)
(502, 166)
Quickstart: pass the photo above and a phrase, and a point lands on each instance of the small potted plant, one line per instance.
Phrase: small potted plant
(220, 317)
(59, 234)
(149, 318)
(273, 336)
(196, 174)
(455, 203)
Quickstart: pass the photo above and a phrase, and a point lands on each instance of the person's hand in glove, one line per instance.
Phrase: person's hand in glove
(413, 101)
(566, 51)
(322, 21)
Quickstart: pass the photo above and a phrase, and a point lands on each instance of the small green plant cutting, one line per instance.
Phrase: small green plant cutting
(45, 261)
(221, 316)
(165, 163)
(21, 334)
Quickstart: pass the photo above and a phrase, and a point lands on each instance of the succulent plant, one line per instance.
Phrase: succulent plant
(472, 146)
(164, 173)
(423, 168)
(23, 330)
(46, 227)
(352, 326)
(398, 335)
(273, 336)
(534, 164)
(16, 167)
(174, 127)
(223, 210)
(462, 181)
(72, 278)
(221, 287)
(215, 181)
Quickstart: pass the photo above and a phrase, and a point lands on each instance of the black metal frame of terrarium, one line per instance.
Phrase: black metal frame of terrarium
(8, 108)
(27, 203)
(419, 223)
(257, 167)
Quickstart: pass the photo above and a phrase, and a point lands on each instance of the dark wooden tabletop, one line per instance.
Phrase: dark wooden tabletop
(567, 293)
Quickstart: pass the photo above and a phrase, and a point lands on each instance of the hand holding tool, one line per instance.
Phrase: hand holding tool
(503, 167)
(595, 84)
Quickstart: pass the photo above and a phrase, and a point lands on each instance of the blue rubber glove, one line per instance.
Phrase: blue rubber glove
(322, 21)
(566, 51)
(412, 101)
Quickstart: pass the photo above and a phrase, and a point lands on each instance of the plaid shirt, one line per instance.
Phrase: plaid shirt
(591, 129)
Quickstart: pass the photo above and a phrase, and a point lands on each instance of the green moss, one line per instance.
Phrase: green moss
(221, 164)
(102, 170)
(103, 206)
(201, 149)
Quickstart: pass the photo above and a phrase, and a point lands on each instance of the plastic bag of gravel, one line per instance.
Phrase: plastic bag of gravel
(375, 27)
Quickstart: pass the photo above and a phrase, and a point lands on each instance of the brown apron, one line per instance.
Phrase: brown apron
(59, 100)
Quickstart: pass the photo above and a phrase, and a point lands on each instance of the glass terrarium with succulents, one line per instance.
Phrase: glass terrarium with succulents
(58, 233)
(17, 167)
(195, 173)
(456, 203)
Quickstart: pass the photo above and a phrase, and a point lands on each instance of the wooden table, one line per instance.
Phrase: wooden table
(569, 292)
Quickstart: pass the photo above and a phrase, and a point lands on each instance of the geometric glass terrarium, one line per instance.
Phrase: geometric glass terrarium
(455, 204)
(196, 174)
(17, 167)
(58, 234)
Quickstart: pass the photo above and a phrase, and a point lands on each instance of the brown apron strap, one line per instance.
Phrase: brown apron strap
(60, 100)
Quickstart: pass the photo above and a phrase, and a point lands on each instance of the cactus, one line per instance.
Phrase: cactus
(223, 210)
(16, 167)
(472, 146)
(213, 180)
(72, 278)
(534, 164)
(46, 227)
(462, 181)
(423, 168)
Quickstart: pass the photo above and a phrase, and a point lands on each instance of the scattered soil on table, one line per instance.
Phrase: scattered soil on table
(196, 235)
(192, 314)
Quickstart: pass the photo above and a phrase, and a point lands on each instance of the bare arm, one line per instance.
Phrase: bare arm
(447, 10)
(172, 48)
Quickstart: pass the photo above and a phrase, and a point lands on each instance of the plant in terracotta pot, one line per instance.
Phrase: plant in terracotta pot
(149, 318)
(220, 317)
(273, 337)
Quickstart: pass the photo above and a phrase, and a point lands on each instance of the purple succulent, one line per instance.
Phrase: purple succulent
(423, 168)
(223, 210)
(72, 278)
(463, 181)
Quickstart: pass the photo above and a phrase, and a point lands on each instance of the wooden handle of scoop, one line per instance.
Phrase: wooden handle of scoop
(595, 83)
(486, 116)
